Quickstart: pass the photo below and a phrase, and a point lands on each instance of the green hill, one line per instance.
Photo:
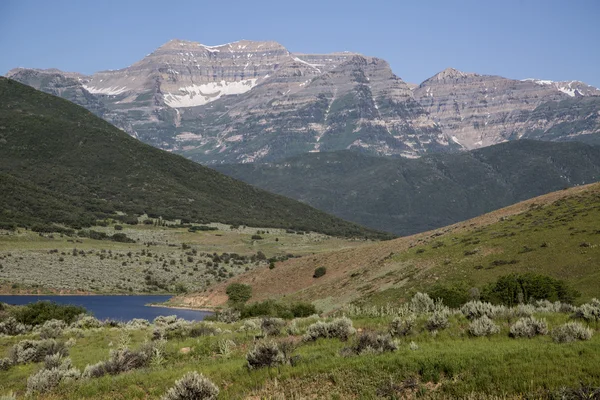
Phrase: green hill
(407, 196)
(59, 163)
(555, 235)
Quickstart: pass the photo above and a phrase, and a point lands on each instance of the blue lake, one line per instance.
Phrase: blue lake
(121, 308)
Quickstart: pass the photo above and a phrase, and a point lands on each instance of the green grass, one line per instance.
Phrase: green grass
(449, 365)
(561, 240)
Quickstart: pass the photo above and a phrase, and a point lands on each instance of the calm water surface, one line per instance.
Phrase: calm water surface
(122, 308)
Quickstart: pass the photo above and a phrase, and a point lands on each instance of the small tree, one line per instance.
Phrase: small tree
(319, 272)
(239, 293)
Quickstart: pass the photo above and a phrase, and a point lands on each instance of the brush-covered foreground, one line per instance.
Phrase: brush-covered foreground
(157, 259)
(310, 358)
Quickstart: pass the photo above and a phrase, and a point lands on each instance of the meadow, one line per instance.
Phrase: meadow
(419, 350)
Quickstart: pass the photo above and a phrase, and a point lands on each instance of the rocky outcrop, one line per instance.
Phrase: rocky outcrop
(247, 101)
(481, 110)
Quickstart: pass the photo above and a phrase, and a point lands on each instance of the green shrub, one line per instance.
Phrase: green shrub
(238, 293)
(421, 303)
(272, 326)
(483, 327)
(192, 386)
(118, 227)
(570, 332)
(589, 312)
(402, 326)
(5, 364)
(257, 237)
(319, 272)
(27, 351)
(121, 360)
(265, 354)
(477, 309)
(48, 378)
(302, 310)
(437, 321)
(340, 328)
(11, 327)
(372, 343)
(452, 296)
(39, 312)
(513, 289)
(528, 327)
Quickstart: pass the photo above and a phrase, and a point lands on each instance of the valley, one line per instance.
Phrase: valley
(254, 221)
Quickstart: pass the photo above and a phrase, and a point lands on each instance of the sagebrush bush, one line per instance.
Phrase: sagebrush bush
(36, 350)
(48, 378)
(570, 332)
(373, 343)
(52, 329)
(86, 322)
(265, 354)
(192, 386)
(477, 309)
(12, 327)
(421, 303)
(437, 321)
(119, 361)
(483, 327)
(5, 363)
(402, 326)
(589, 312)
(528, 327)
(228, 315)
(9, 396)
(340, 328)
(271, 326)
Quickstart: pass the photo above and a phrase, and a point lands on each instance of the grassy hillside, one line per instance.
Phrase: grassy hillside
(557, 235)
(60, 163)
(409, 196)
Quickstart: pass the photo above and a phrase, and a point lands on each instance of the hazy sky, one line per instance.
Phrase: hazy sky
(547, 39)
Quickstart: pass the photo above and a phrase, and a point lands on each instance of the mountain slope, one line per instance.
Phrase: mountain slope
(482, 110)
(410, 196)
(79, 167)
(247, 101)
(556, 235)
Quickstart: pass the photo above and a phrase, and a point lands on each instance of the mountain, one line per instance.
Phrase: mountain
(554, 235)
(59, 163)
(407, 196)
(481, 110)
(249, 101)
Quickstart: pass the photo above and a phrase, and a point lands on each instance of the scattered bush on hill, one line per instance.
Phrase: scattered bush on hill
(340, 328)
(371, 343)
(265, 354)
(192, 386)
(319, 272)
(238, 293)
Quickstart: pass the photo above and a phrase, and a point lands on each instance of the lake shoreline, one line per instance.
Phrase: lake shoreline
(210, 310)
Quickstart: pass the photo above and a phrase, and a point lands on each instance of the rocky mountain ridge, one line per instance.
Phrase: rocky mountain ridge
(247, 101)
(250, 101)
(482, 110)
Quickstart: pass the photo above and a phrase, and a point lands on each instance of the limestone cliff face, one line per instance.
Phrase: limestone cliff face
(247, 101)
(481, 110)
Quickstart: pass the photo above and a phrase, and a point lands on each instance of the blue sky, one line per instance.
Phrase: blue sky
(558, 40)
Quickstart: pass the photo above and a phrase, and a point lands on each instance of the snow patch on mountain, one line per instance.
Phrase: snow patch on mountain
(109, 91)
(198, 95)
